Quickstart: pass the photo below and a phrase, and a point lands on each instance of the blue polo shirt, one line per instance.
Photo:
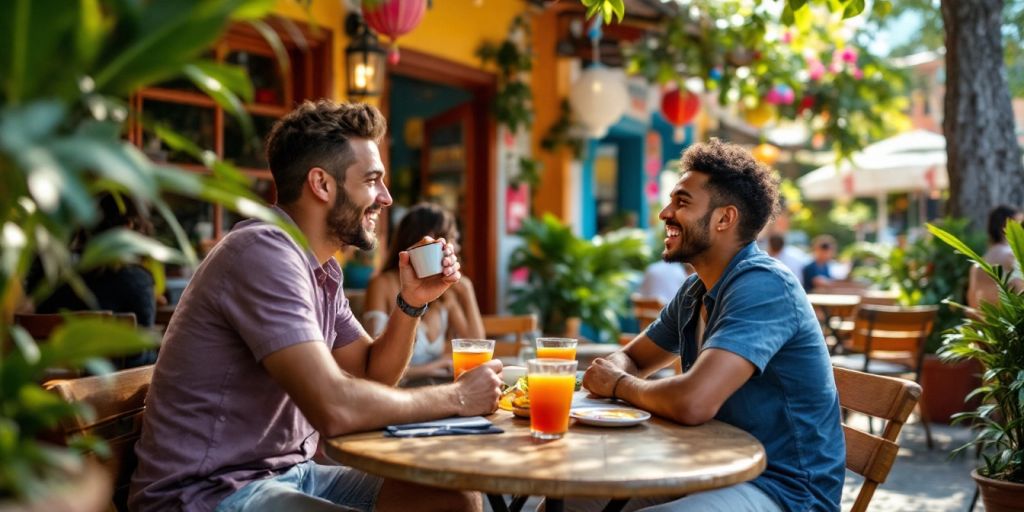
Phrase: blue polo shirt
(758, 311)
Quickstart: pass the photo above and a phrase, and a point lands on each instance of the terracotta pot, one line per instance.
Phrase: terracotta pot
(999, 495)
(87, 491)
(945, 385)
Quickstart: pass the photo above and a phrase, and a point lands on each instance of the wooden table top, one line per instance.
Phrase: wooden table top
(833, 299)
(655, 458)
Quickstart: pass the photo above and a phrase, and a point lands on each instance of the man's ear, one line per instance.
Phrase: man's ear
(730, 217)
(319, 183)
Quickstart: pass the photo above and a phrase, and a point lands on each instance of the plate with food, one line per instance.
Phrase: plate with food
(610, 416)
(516, 398)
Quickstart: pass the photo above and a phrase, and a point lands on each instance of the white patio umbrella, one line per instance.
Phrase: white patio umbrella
(912, 161)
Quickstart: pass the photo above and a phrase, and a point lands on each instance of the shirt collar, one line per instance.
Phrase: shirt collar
(696, 288)
(329, 270)
(747, 251)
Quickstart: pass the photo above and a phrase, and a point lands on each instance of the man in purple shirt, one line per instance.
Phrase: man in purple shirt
(263, 354)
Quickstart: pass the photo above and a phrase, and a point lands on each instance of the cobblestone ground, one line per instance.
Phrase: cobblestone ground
(921, 480)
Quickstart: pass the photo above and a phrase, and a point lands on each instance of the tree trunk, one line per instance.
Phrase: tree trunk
(982, 155)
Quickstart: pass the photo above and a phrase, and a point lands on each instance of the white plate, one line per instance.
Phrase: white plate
(610, 416)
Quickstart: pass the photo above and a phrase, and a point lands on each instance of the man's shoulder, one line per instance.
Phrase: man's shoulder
(256, 241)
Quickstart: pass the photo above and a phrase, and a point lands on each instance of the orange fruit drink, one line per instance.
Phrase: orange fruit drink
(556, 348)
(551, 385)
(469, 353)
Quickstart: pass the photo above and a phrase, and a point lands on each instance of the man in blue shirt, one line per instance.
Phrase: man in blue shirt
(752, 351)
(817, 275)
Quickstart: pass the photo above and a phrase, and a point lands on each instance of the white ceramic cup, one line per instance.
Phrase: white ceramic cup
(426, 259)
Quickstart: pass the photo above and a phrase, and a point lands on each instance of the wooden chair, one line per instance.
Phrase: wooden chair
(887, 398)
(517, 326)
(119, 401)
(646, 309)
(889, 340)
(41, 325)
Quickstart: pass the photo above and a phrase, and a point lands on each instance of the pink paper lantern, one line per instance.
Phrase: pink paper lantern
(394, 18)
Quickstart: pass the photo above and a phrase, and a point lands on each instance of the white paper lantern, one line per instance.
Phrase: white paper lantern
(598, 99)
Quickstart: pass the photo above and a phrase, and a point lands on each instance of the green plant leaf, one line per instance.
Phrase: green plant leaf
(271, 37)
(122, 245)
(220, 92)
(26, 345)
(234, 78)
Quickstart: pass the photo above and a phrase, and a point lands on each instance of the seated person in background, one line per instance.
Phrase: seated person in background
(263, 355)
(662, 280)
(794, 259)
(817, 275)
(127, 288)
(750, 345)
(980, 287)
(453, 315)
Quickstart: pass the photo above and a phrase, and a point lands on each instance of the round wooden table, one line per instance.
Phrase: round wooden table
(655, 458)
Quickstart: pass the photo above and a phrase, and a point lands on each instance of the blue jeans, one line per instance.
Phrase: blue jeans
(743, 497)
(307, 486)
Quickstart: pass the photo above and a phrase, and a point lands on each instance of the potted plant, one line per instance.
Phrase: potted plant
(994, 338)
(925, 272)
(574, 278)
(68, 69)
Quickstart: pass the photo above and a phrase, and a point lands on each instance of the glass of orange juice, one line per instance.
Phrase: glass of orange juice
(469, 353)
(551, 384)
(556, 348)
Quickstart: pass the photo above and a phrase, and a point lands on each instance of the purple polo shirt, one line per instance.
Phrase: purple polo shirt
(215, 420)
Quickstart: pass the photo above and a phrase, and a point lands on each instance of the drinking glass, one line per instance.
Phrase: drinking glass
(551, 384)
(556, 348)
(470, 353)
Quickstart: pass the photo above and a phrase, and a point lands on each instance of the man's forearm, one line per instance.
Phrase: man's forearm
(622, 361)
(390, 353)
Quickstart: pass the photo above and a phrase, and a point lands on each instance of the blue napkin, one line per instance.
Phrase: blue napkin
(445, 427)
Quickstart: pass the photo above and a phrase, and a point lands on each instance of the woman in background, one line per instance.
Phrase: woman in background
(454, 315)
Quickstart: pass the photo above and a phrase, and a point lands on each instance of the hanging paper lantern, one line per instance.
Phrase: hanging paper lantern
(766, 154)
(598, 99)
(760, 115)
(394, 18)
(680, 106)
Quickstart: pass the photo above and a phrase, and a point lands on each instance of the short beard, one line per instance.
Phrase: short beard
(694, 241)
(345, 224)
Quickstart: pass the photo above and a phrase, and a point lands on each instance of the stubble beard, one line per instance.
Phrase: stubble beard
(695, 240)
(345, 224)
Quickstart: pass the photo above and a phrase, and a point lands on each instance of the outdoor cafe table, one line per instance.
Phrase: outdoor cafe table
(655, 458)
(834, 306)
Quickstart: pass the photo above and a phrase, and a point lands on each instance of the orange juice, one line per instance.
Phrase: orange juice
(556, 352)
(550, 398)
(463, 361)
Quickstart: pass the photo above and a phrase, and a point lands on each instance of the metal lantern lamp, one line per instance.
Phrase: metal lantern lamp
(364, 60)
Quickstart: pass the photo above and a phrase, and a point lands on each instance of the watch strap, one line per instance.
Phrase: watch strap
(410, 310)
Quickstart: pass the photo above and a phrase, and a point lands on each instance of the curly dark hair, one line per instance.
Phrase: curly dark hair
(735, 178)
(424, 219)
(316, 134)
(997, 219)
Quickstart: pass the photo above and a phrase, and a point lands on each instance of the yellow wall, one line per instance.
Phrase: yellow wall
(452, 29)
(329, 15)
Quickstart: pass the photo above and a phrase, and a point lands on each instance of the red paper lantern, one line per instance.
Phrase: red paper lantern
(680, 107)
(394, 18)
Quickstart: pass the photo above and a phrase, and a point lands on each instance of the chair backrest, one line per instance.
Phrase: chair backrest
(887, 398)
(118, 400)
(517, 326)
(892, 328)
(41, 325)
(646, 309)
